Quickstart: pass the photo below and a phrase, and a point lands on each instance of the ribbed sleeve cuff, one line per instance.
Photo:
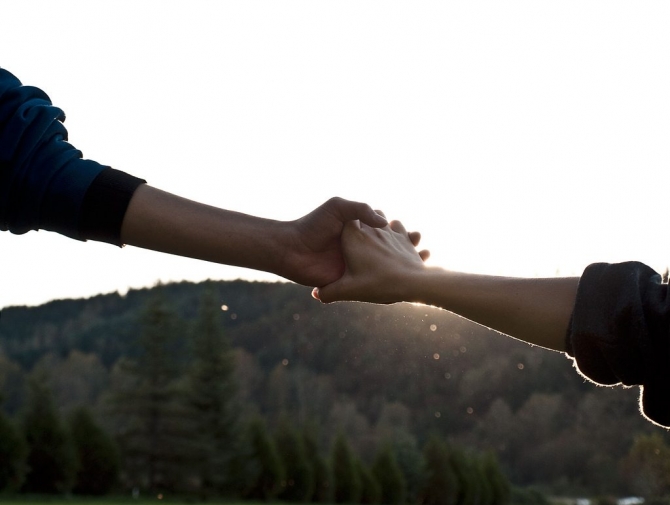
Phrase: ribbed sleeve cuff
(105, 205)
(620, 332)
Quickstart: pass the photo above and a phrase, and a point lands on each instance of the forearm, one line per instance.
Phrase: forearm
(167, 223)
(536, 311)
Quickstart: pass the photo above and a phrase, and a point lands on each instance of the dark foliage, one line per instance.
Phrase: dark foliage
(322, 478)
(466, 475)
(527, 496)
(153, 422)
(51, 458)
(371, 491)
(389, 476)
(345, 363)
(12, 455)
(260, 471)
(500, 487)
(97, 455)
(210, 396)
(441, 485)
(298, 482)
(346, 480)
(410, 460)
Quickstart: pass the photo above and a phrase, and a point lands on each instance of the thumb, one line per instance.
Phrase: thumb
(329, 293)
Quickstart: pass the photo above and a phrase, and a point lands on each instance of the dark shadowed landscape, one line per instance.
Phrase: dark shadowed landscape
(255, 391)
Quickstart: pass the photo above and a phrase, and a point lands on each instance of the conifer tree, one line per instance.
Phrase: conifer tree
(346, 481)
(259, 472)
(51, 458)
(440, 485)
(321, 475)
(390, 477)
(410, 461)
(500, 486)
(371, 491)
(97, 455)
(12, 455)
(155, 437)
(297, 484)
(466, 475)
(210, 392)
(483, 487)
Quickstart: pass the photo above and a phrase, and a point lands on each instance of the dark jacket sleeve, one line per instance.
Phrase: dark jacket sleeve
(44, 181)
(619, 332)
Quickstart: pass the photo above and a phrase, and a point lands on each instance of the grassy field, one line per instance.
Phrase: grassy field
(107, 500)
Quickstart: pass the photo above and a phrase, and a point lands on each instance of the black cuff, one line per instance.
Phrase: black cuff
(105, 205)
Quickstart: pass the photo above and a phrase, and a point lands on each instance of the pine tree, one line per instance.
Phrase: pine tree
(466, 476)
(410, 461)
(51, 458)
(482, 485)
(346, 481)
(155, 439)
(371, 491)
(390, 477)
(12, 455)
(210, 392)
(321, 476)
(259, 472)
(440, 485)
(297, 485)
(500, 486)
(97, 455)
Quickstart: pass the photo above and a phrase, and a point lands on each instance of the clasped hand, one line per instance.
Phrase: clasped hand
(379, 263)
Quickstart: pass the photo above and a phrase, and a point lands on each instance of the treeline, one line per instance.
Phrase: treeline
(46, 455)
(398, 373)
(180, 430)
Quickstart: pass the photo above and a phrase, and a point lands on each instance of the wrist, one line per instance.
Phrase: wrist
(279, 248)
(412, 284)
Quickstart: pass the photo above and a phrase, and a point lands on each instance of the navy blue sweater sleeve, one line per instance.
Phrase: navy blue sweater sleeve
(43, 179)
(620, 332)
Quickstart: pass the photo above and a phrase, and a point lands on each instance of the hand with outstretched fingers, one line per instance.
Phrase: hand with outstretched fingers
(379, 262)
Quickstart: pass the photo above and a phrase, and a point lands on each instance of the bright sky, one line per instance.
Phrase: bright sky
(520, 137)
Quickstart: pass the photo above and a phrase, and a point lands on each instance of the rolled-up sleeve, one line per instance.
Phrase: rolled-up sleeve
(44, 180)
(619, 332)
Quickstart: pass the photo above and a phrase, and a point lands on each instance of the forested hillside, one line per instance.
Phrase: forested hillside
(373, 373)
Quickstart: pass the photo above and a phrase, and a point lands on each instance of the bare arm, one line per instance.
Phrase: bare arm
(536, 311)
(306, 250)
(383, 266)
